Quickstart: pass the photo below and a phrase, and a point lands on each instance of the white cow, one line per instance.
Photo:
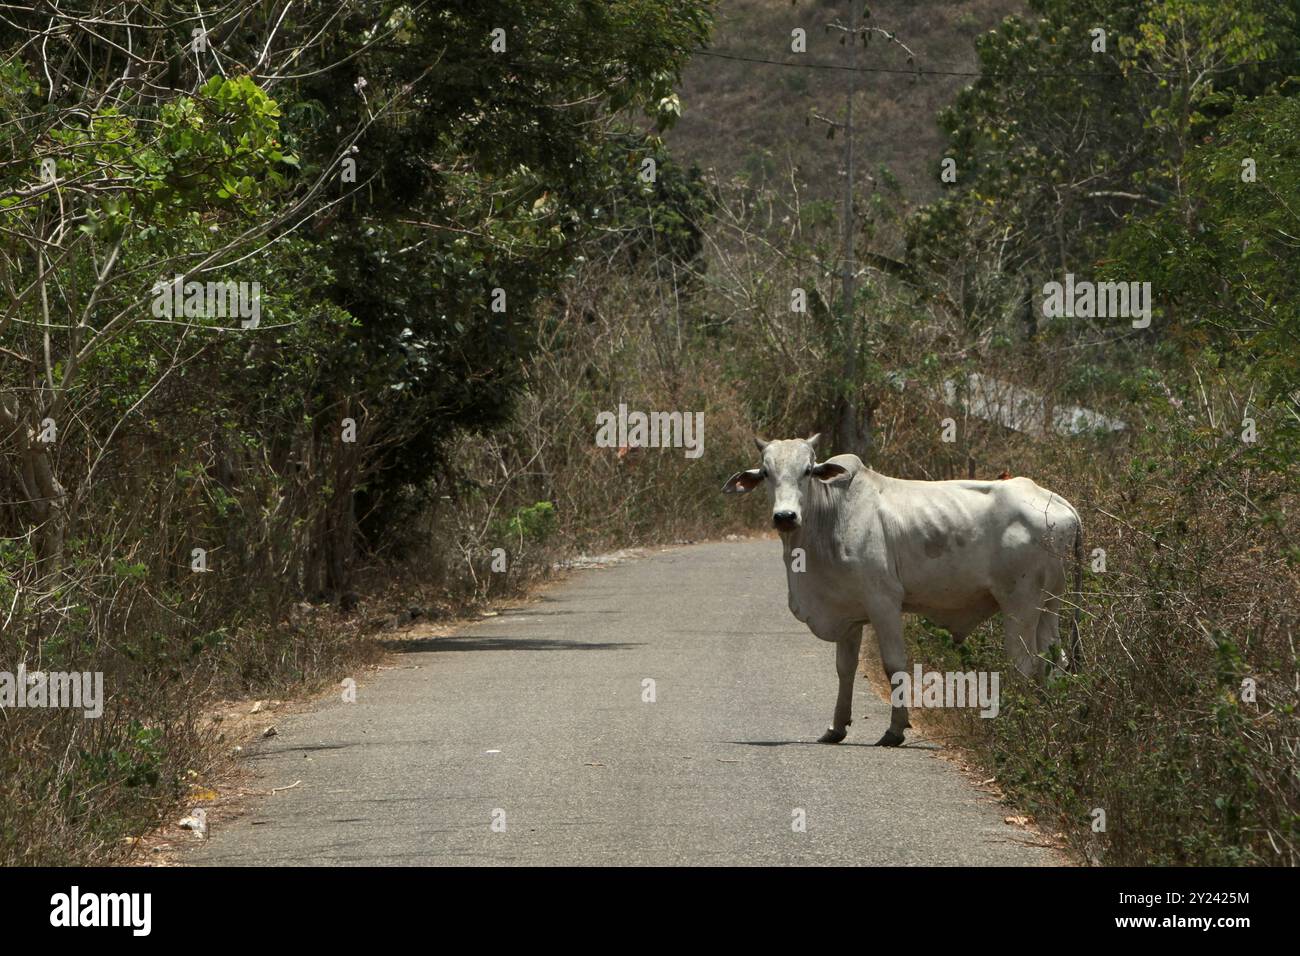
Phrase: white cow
(874, 547)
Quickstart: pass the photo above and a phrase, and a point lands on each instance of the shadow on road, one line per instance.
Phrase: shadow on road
(813, 743)
(488, 643)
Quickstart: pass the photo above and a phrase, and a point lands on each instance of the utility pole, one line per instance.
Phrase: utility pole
(848, 426)
(852, 431)
(847, 433)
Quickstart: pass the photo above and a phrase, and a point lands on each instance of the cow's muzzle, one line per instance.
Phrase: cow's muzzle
(785, 520)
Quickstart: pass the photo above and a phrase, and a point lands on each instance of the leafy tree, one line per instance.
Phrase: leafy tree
(1224, 261)
(382, 168)
(486, 181)
(97, 205)
(1058, 141)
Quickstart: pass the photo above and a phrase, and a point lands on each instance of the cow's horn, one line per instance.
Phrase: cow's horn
(813, 441)
(762, 445)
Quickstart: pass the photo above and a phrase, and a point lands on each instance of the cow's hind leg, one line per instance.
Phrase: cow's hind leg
(887, 622)
(1049, 621)
(1020, 614)
(1049, 631)
(846, 666)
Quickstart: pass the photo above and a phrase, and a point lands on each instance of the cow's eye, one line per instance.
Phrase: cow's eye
(762, 473)
(808, 470)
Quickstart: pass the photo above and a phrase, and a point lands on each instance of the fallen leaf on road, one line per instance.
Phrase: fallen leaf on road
(1017, 821)
(270, 732)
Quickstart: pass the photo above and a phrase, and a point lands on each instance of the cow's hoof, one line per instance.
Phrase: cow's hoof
(890, 739)
(832, 736)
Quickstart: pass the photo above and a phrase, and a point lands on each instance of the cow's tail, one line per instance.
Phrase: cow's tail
(1078, 593)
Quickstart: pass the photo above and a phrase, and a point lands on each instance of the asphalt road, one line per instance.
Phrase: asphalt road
(524, 739)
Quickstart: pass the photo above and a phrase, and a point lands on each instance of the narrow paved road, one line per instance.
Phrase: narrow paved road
(536, 718)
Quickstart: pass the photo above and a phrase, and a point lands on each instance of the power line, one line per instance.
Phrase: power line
(916, 71)
(919, 71)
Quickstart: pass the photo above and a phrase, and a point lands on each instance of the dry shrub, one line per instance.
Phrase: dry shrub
(1197, 605)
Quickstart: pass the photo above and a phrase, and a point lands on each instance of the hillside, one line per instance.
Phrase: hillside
(745, 117)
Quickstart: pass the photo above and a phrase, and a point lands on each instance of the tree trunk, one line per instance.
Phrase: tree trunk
(43, 493)
(853, 425)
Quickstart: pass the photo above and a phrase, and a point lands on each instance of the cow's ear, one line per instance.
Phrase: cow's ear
(743, 481)
(829, 471)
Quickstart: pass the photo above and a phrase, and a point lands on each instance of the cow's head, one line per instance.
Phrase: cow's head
(788, 467)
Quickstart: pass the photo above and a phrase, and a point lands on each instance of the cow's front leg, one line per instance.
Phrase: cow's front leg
(846, 666)
(887, 622)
